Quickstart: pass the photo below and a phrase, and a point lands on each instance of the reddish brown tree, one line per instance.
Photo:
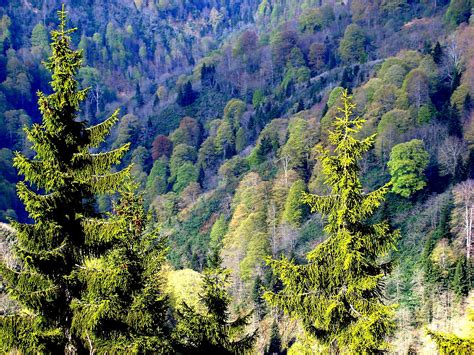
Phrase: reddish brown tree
(282, 44)
(247, 43)
(191, 126)
(161, 146)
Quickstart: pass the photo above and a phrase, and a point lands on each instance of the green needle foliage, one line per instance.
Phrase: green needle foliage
(122, 308)
(450, 344)
(461, 280)
(295, 210)
(212, 332)
(338, 294)
(63, 179)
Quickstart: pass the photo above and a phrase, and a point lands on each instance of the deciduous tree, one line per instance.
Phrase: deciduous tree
(416, 88)
(452, 155)
(352, 46)
(462, 223)
(188, 132)
(407, 164)
(161, 147)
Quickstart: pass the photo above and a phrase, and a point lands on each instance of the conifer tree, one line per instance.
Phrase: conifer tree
(461, 280)
(437, 53)
(212, 331)
(123, 308)
(61, 182)
(337, 295)
(138, 95)
(431, 272)
(274, 347)
(257, 298)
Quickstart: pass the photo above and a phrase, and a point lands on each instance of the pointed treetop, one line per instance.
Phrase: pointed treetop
(62, 15)
(62, 18)
(347, 201)
(337, 294)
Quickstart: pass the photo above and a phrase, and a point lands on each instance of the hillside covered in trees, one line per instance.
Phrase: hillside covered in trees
(228, 177)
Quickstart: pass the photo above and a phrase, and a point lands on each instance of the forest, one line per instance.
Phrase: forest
(237, 177)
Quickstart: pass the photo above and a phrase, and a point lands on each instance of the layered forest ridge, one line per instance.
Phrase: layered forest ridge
(233, 177)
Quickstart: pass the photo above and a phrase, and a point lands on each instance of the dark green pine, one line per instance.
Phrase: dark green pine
(212, 331)
(274, 347)
(123, 308)
(61, 182)
(461, 280)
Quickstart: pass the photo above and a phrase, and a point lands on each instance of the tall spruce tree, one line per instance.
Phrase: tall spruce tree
(338, 294)
(61, 182)
(122, 308)
(212, 331)
(461, 283)
(257, 298)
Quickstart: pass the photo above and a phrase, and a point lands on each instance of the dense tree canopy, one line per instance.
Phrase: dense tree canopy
(225, 104)
(352, 47)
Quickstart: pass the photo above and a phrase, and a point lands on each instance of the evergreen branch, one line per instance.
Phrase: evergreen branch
(109, 183)
(88, 164)
(355, 311)
(42, 142)
(38, 172)
(321, 204)
(27, 333)
(43, 255)
(44, 292)
(372, 201)
(30, 287)
(99, 232)
(299, 294)
(38, 206)
(96, 134)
